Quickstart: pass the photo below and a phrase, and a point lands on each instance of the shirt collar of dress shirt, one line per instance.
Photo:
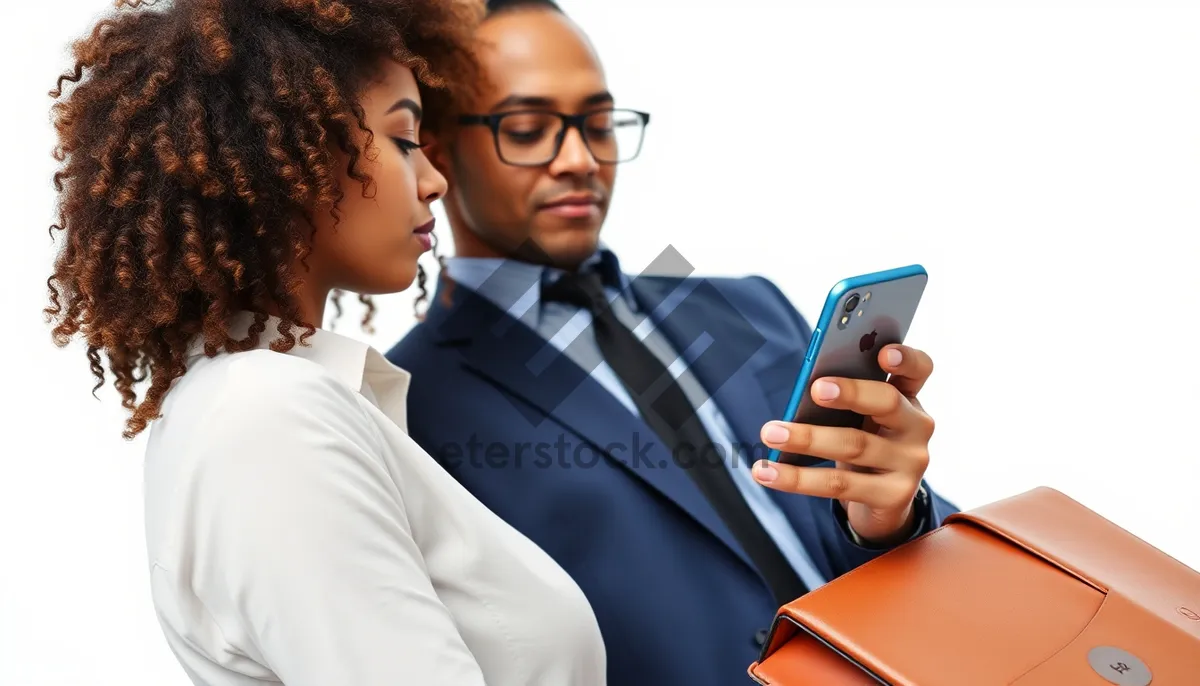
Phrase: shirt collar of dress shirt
(354, 363)
(515, 286)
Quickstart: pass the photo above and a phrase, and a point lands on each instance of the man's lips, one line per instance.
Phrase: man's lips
(573, 199)
(576, 205)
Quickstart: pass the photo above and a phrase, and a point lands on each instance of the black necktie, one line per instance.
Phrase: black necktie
(673, 418)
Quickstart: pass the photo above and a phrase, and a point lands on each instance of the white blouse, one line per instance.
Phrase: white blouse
(297, 534)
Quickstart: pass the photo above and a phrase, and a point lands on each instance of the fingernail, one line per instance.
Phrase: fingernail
(826, 390)
(894, 358)
(765, 473)
(775, 433)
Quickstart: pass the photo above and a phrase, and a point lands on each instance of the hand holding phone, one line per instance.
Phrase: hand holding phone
(862, 315)
(854, 404)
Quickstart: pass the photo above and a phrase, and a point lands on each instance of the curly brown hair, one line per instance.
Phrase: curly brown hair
(192, 134)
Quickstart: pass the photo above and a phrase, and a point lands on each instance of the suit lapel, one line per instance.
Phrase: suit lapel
(726, 366)
(501, 349)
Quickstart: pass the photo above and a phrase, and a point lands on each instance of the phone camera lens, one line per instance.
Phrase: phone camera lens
(852, 303)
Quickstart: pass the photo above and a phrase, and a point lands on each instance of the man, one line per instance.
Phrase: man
(531, 390)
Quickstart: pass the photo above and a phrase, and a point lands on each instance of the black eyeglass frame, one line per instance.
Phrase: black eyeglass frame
(569, 121)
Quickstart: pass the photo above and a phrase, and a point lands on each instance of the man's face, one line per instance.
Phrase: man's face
(537, 61)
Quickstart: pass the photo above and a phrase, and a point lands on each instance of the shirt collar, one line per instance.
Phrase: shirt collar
(515, 286)
(354, 363)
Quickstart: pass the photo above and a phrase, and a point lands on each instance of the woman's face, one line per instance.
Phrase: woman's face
(373, 248)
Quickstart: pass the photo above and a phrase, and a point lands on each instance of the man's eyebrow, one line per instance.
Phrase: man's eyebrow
(517, 100)
(523, 101)
(601, 98)
(406, 104)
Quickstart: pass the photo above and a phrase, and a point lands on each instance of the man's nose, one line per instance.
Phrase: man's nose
(574, 157)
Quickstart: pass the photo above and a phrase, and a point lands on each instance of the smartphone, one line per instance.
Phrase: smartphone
(862, 315)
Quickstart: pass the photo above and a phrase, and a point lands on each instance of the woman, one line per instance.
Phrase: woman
(228, 164)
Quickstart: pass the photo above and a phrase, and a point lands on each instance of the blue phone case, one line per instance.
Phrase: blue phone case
(900, 291)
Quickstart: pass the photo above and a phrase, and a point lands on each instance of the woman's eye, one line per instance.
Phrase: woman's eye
(406, 146)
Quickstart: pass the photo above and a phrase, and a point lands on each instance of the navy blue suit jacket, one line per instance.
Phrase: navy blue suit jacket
(677, 599)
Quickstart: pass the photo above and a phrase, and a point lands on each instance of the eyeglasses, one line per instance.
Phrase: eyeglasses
(533, 138)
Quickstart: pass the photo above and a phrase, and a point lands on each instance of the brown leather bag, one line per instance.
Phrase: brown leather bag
(1033, 590)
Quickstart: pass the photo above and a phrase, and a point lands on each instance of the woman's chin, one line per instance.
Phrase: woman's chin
(398, 281)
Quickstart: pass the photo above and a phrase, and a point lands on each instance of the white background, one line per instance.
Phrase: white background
(1039, 158)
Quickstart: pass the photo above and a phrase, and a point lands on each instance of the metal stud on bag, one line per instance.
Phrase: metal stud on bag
(1119, 666)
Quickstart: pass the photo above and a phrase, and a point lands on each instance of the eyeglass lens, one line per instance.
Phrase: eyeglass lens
(612, 136)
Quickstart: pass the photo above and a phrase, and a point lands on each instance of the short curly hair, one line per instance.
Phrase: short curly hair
(190, 138)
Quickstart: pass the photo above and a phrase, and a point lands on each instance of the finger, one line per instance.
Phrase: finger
(878, 400)
(880, 491)
(840, 444)
(910, 368)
